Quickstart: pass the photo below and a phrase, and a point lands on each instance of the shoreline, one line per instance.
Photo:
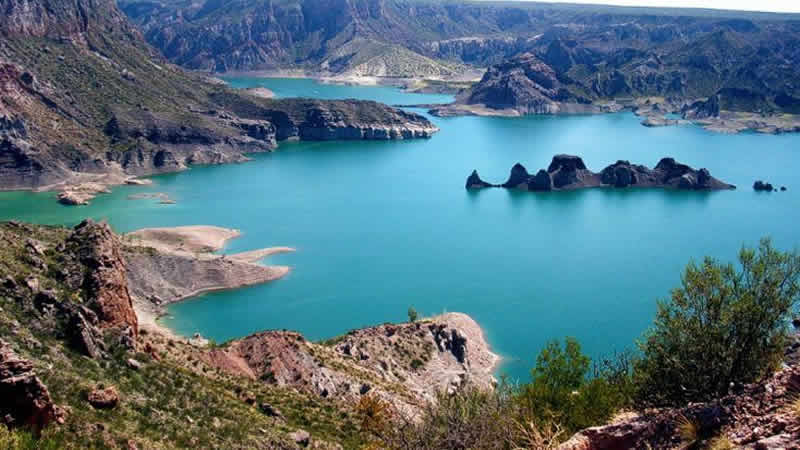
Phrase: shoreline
(409, 85)
(728, 122)
(171, 264)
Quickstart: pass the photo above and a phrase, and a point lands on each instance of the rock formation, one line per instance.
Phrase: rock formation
(518, 176)
(764, 186)
(104, 398)
(568, 172)
(105, 281)
(474, 181)
(24, 400)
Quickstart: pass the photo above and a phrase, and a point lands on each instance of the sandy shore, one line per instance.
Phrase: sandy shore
(167, 265)
(192, 238)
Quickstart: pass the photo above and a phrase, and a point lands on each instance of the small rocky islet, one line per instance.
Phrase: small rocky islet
(568, 172)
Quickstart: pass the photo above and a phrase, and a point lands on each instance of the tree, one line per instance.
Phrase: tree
(724, 325)
(412, 314)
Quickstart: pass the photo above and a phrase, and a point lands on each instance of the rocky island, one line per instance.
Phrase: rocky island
(568, 172)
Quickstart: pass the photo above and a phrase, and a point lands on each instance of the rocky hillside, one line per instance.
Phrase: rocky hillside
(82, 363)
(85, 99)
(646, 45)
(760, 415)
(739, 71)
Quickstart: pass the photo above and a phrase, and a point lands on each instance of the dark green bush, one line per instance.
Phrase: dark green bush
(562, 389)
(724, 325)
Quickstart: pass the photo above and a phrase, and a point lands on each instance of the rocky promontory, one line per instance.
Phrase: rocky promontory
(86, 104)
(443, 353)
(568, 172)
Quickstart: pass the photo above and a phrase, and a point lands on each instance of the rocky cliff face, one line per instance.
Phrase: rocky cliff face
(567, 172)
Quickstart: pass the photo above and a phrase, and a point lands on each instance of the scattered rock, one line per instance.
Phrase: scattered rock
(301, 437)
(270, 410)
(24, 399)
(107, 398)
(134, 364)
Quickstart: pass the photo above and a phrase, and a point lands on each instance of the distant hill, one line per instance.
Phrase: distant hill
(333, 35)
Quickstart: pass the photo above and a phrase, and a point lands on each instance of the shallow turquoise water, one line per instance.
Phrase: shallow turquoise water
(380, 226)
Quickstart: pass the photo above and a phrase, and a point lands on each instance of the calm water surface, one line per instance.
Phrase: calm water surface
(380, 226)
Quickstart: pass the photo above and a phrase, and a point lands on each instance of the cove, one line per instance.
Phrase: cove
(381, 226)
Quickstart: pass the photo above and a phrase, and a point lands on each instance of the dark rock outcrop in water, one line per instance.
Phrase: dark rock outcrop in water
(763, 186)
(568, 172)
(518, 176)
(474, 181)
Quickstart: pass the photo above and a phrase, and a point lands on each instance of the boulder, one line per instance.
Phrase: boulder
(301, 438)
(107, 398)
(134, 364)
(24, 399)
(474, 181)
(270, 410)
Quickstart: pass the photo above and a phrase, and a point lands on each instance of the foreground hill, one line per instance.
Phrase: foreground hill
(85, 99)
(80, 359)
(82, 366)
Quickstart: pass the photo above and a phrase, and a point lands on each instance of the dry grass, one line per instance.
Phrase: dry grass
(721, 443)
(793, 407)
(687, 429)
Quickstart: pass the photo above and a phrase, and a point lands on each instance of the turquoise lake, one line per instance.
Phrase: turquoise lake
(381, 226)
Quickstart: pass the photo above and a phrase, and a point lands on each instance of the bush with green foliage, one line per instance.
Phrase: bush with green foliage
(412, 314)
(724, 325)
(562, 390)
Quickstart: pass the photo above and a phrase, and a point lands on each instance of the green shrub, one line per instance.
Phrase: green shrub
(724, 325)
(412, 314)
(562, 391)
